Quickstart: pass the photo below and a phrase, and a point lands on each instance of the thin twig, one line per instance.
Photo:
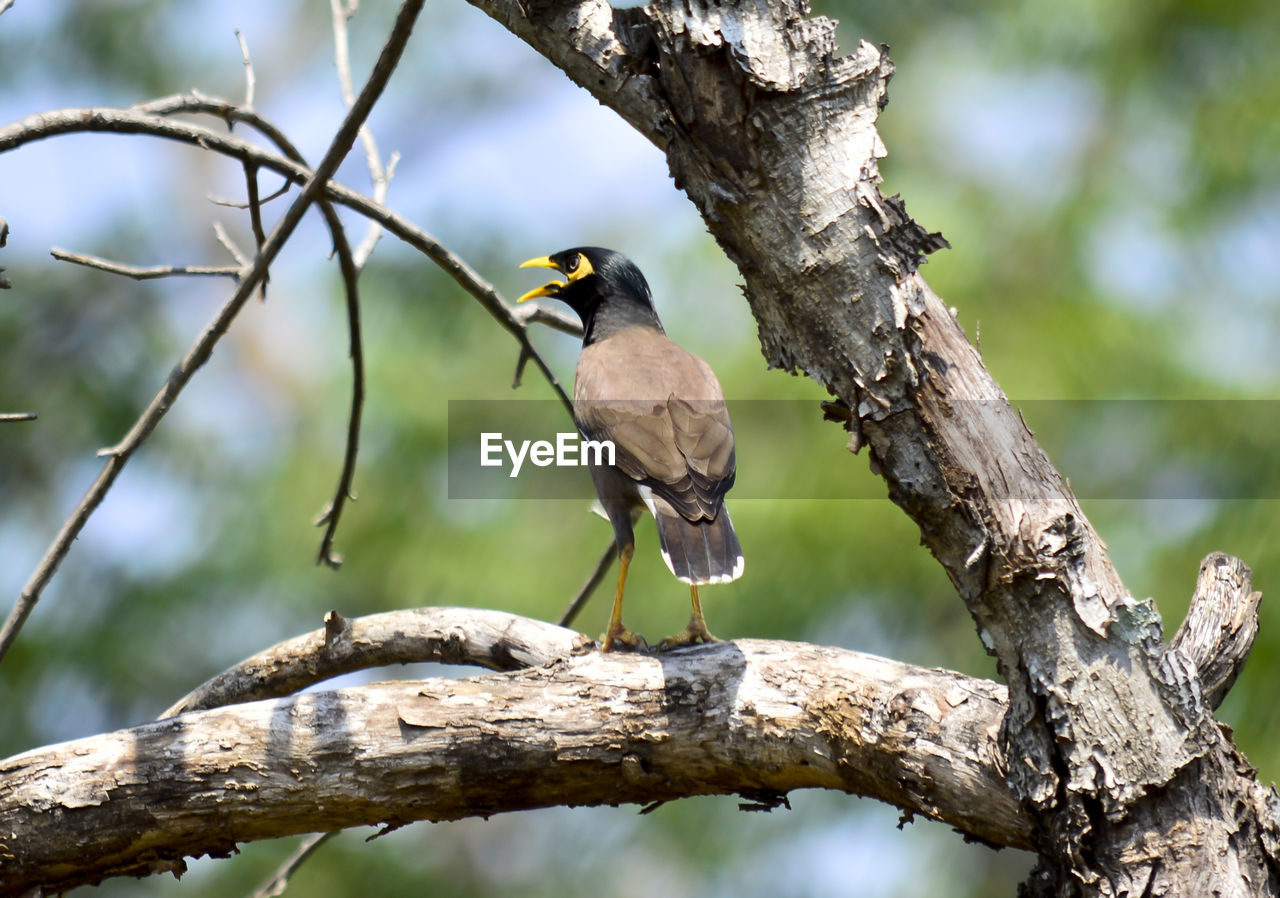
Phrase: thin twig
(199, 353)
(350, 267)
(597, 575)
(379, 176)
(350, 280)
(255, 219)
(236, 204)
(280, 881)
(536, 313)
(17, 416)
(250, 80)
(229, 245)
(148, 119)
(148, 273)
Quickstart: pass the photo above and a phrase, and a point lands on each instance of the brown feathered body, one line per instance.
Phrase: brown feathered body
(665, 413)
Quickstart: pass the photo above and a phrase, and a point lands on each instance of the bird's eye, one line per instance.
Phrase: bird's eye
(572, 265)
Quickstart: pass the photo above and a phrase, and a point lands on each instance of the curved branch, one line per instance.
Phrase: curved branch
(754, 718)
(1221, 624)
(349, 264)
(491, 639)
(135, 121)
(199, 353)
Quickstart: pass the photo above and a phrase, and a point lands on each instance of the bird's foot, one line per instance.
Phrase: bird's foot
(623, 640)
(694, 633)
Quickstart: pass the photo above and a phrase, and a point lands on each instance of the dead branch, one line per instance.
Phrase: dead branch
(491, 639)
(379, 175)
(1221, 624)
(147, 273)
(149, 119)
(203, 348)
(755, 718)
(772, 136)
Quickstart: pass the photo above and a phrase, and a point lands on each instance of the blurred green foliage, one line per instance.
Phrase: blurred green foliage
(1106, 174)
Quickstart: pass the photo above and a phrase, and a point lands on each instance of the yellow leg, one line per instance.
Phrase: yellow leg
(696, 631)
(617, 634)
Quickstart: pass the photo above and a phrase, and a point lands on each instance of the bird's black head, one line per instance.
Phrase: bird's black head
(604, 287)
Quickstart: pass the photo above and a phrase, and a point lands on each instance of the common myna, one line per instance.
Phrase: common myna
(665, 413)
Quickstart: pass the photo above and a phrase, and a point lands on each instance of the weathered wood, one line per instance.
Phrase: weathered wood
(492, 639)
(1220, 625)
(752, 718)
(772, 136)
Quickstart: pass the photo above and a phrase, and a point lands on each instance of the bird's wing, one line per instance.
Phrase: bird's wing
(664, 412)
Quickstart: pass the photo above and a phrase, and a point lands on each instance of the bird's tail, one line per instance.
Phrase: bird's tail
(698, 552)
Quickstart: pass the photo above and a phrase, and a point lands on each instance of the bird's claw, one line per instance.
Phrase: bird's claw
(623, 640)
(694, 633)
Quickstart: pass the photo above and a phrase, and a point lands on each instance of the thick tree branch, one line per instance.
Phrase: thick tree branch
(773, 138)
(1220, 625)
(754, 718)
(492, 639)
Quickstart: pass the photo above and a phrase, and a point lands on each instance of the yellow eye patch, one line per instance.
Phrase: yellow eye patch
(578, 268)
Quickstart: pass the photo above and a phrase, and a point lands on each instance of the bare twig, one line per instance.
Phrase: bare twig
(250, 81)
(146, 273)
(148, 119)
(203, 348)
(378, 175)
(229, 245)
(277, 884)
(536, 313)
(350, 267)
(236, 204)
(255, 219)
(597, 575)
(4, 238)
(17, 416)
(350, 279)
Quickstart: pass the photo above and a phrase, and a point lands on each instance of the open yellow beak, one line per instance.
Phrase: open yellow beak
(546, 289)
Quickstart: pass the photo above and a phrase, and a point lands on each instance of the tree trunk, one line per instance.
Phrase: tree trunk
(1102, 755)
(1134, 787)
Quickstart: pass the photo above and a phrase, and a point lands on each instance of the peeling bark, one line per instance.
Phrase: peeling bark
(1102, 755)
(752, 718)
(1111, 744)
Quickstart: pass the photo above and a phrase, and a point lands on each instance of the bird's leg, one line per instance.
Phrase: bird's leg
(617, 635)
(696, 631)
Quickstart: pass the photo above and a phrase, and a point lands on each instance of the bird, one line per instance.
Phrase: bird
(665, 413)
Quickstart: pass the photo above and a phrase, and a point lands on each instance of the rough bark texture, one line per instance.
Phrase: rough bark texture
(1112, 748)
(751, 718)
(1103, 755)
